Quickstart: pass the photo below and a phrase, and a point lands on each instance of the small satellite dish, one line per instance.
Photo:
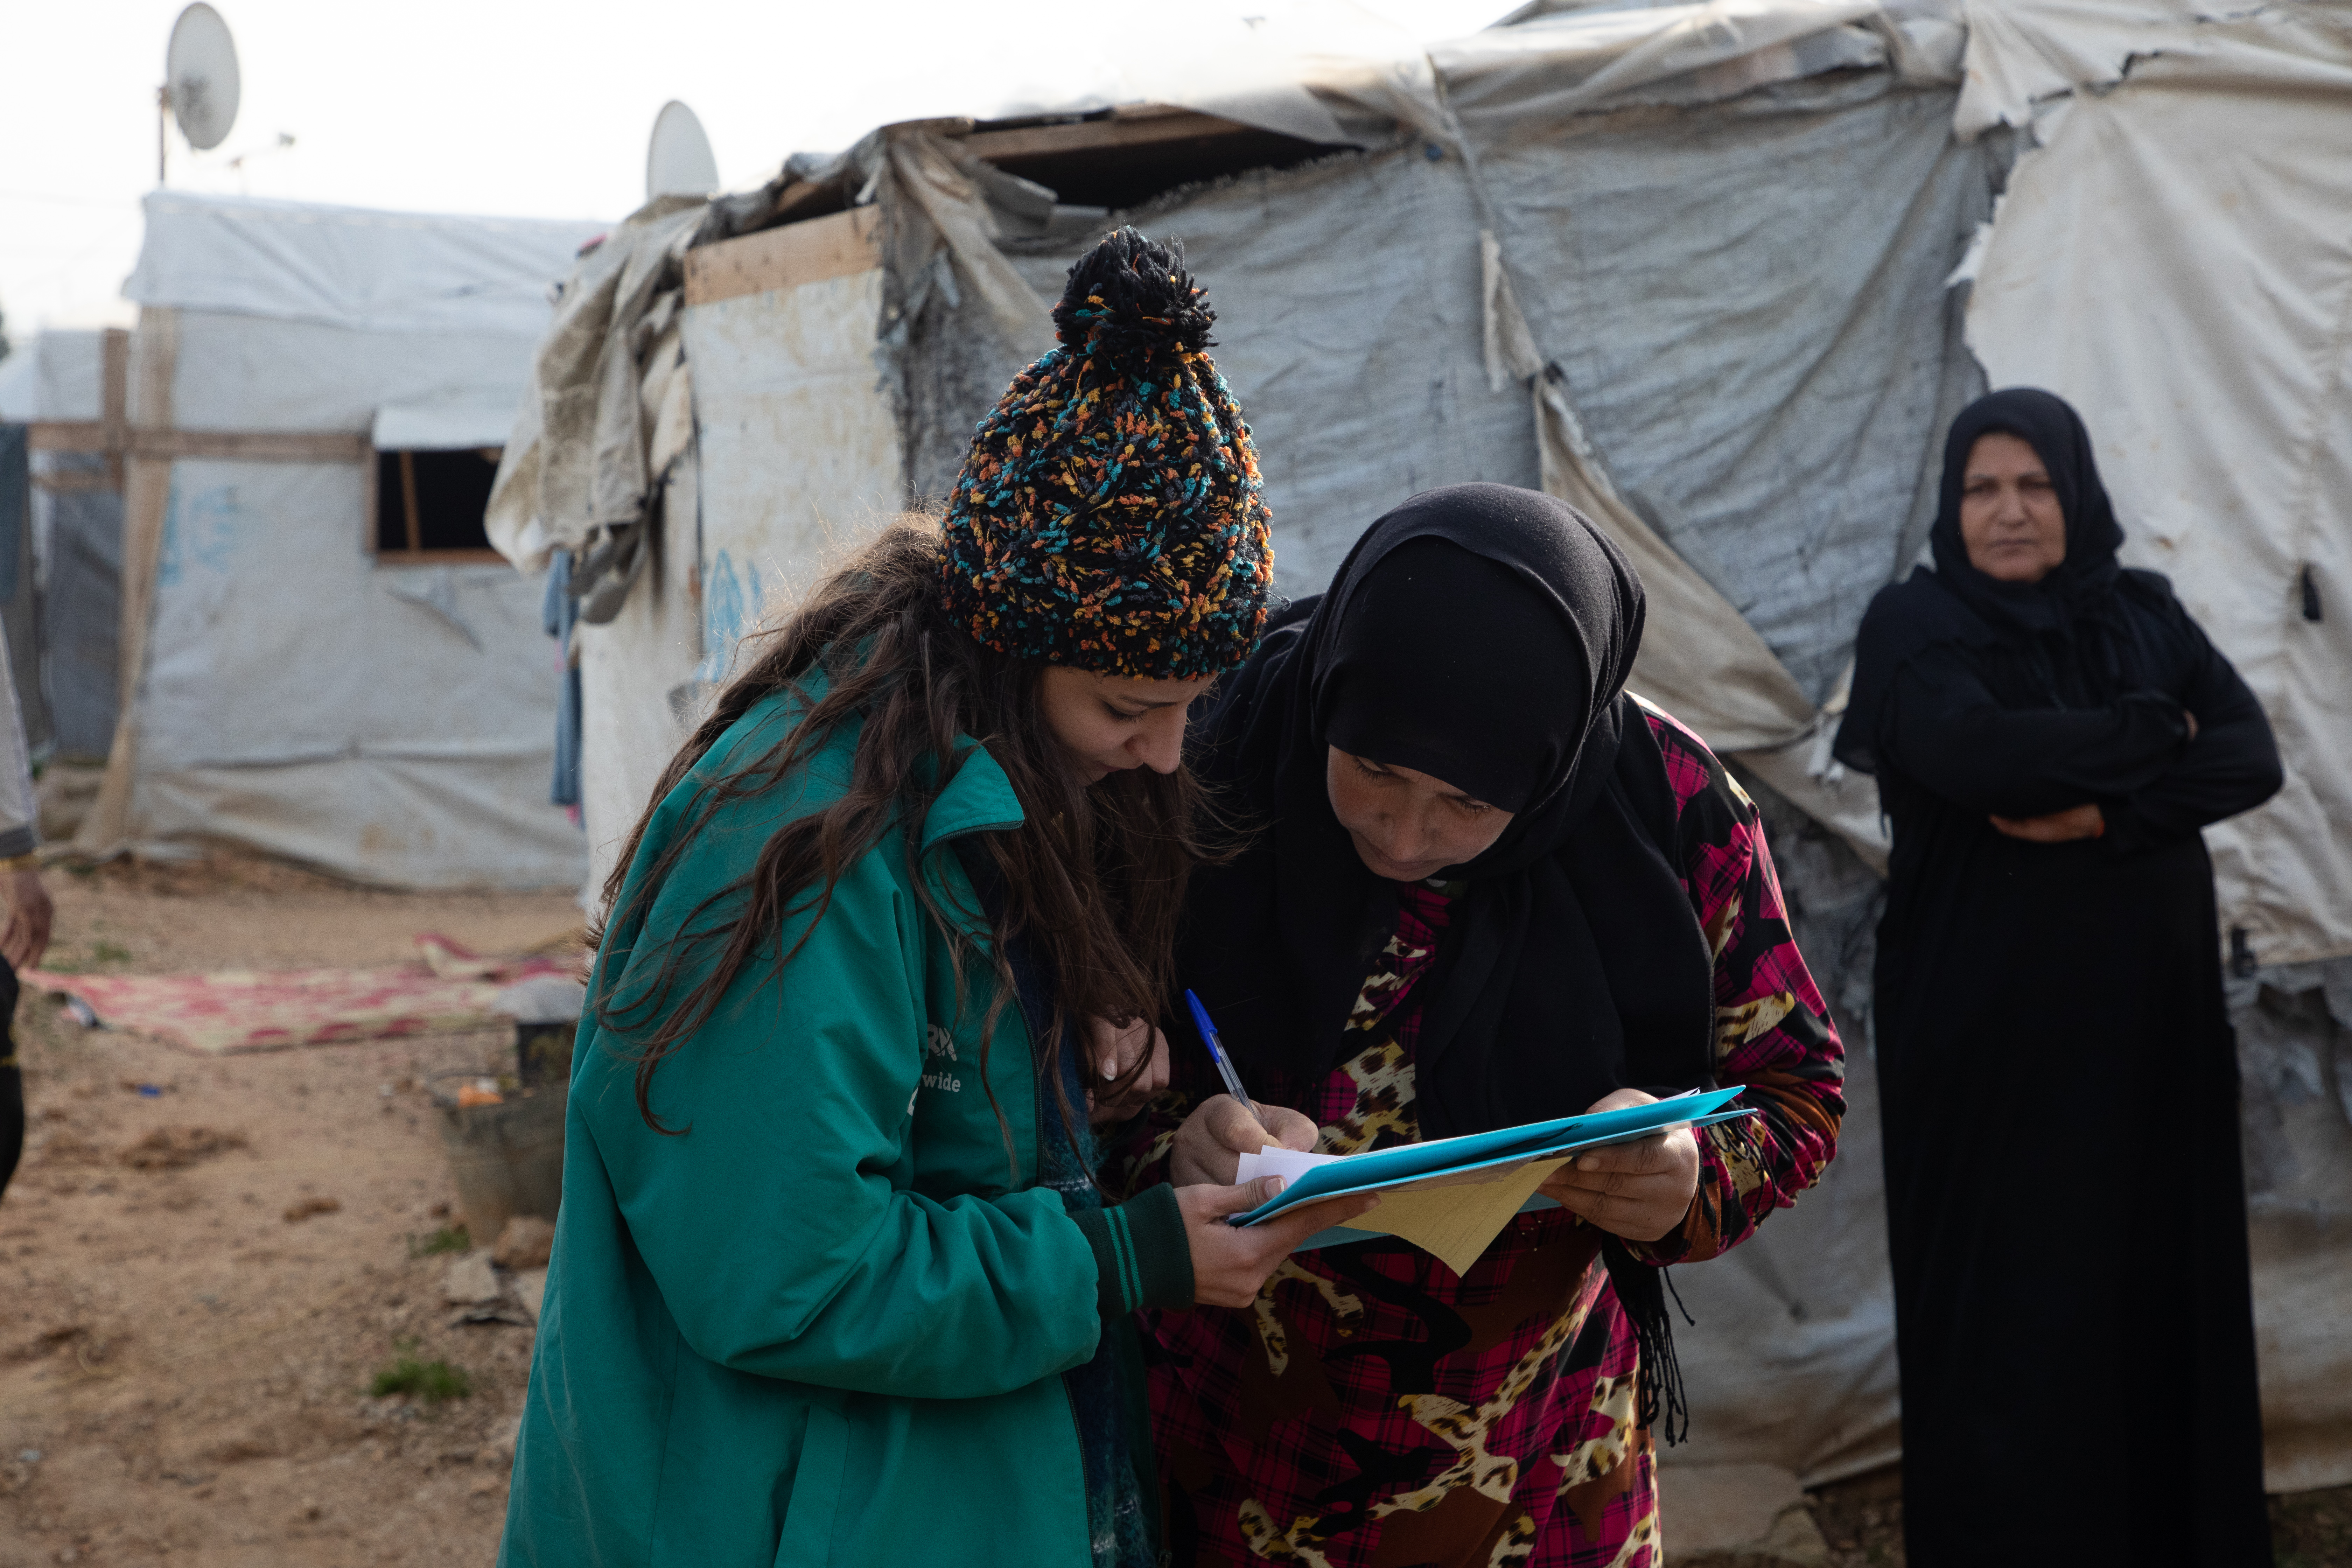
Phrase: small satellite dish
(677, 160)
(199, 77)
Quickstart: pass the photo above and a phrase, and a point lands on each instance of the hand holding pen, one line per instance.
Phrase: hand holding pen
(1212, 1139)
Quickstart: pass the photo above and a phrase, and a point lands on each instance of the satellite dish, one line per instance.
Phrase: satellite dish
(199, 77)
(677, 160)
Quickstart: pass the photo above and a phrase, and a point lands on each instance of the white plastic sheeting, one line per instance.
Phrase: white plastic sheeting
(1748, 307)
(799, 438)
(294, 694)
(1329, 72)
(348, 267)
(638, 685)
(1324, 70)
(1509, 81)
(1349, 325)
(578, 460)
(2020, 53)
(392, 724)
(797, 448)
(254, 373)
(54, 375)
(442, 426)
(2177, 261)
(1749, 354)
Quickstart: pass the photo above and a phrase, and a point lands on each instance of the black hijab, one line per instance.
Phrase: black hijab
(1483, 635)
(2072, 623)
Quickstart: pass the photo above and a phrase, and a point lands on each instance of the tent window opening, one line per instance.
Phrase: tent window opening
(429, 505)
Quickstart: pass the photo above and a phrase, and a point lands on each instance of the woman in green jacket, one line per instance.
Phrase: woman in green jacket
(832, 1283)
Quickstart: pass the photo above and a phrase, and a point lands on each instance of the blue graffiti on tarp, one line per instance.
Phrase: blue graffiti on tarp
(731, 596)
(200, 530)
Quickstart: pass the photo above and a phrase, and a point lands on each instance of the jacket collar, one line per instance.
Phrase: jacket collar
(979, 799)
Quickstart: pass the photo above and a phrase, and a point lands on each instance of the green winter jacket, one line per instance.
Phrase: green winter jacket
(825, 1325)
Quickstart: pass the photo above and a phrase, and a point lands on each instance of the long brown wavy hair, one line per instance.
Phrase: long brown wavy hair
(1092, 879)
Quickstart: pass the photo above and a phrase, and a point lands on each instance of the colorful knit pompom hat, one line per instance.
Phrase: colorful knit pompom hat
(1109, 516)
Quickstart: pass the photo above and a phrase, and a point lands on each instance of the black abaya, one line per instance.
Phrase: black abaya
(2064, 1196)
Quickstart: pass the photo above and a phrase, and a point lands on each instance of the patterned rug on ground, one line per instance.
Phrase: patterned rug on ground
(235, 1010)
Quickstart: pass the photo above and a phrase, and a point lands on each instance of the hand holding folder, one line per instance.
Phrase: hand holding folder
(1452, 1196)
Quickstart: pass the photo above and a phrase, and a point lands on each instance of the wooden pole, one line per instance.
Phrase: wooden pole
(115, 359)
(408, 501)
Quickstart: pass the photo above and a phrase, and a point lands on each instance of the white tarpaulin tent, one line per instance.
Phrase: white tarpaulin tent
(292, 688)
(1690, 267)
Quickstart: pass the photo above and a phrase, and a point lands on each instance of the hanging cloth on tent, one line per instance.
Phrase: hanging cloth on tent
(559, 614)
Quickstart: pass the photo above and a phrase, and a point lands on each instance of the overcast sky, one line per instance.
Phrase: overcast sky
(532, 108)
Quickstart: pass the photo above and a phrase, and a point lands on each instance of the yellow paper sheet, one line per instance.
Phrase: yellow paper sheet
(1453, 1219)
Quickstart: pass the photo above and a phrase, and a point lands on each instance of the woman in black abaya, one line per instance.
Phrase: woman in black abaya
(2064, 1197)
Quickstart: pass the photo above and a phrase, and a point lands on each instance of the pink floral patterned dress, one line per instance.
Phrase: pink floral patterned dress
(1377, 1410)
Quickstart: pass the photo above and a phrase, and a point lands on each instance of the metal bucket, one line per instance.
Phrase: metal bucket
(506, 1159)
(543, 1051)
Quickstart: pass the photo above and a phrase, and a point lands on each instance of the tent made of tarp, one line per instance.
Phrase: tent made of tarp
(1693, 268)
(321, 658)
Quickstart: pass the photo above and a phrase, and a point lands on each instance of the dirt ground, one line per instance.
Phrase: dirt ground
(184, 1370)
(1861, 1522)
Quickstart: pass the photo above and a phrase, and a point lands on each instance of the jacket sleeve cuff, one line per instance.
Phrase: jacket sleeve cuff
(1142, 1259)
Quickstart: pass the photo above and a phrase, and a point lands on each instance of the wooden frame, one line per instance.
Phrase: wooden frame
(835, 246)
(412, 523)
(1125, 131)
(1083, 157)
(231, 446)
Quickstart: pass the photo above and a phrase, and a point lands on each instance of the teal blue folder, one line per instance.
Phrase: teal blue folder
(1475, 1152)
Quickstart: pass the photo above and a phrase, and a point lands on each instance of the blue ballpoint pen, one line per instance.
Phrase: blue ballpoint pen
(1225, 1066)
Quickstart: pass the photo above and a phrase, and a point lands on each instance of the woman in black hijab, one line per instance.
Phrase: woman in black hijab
(1491, 888)
(2050, 732)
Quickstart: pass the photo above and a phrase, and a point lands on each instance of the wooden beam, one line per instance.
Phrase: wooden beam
(235, 446)
(146, 492)
(115, 398)
(75, 480)
(67, 435)
(253, 446)
(1128, 132)
(408, 501)
(834, 246)
(442, 558)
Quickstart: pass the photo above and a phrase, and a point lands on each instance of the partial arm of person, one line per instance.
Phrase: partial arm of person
(1945, 730)
(775, 1224)
(1203, 1149)
(1773, 1037)
(771, 1221)
(1193, 1131)
(2229, 765)
(26, 937)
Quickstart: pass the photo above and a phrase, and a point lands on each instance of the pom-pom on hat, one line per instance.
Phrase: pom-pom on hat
(1108, 515)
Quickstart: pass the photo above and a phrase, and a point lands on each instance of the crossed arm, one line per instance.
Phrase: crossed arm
(2147, 766)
